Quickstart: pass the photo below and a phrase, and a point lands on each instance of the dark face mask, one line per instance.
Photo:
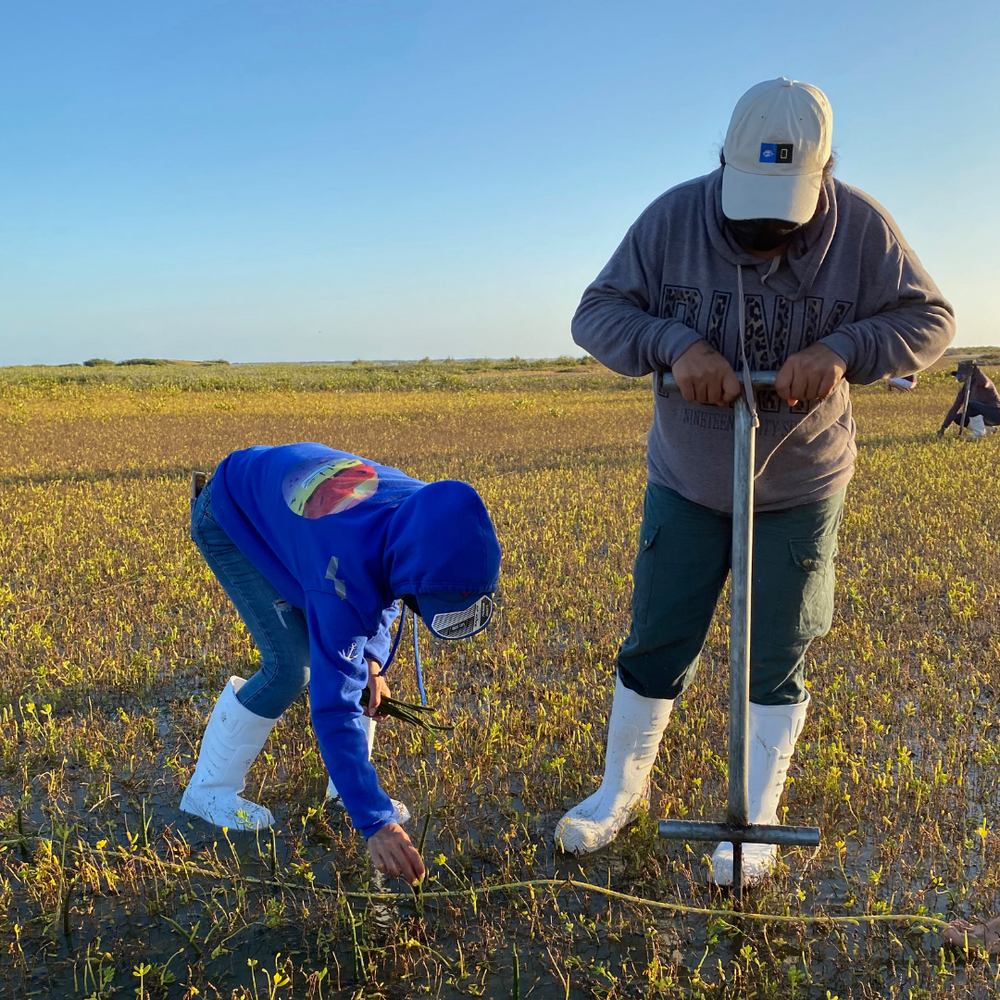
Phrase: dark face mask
(762, 234)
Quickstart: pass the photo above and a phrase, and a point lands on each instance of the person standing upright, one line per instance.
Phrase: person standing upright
(771, 263)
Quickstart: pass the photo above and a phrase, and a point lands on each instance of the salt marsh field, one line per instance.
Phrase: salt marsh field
(115, 641)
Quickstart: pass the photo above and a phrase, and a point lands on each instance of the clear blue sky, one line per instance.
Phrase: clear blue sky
(309, 179)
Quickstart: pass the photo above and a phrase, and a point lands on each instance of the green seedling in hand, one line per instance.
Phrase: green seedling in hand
(406, 712)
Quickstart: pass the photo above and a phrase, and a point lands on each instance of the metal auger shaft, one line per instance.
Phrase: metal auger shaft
(737, 829)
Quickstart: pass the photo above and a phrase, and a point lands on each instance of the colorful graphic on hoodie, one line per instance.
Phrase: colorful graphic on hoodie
(318, 487)
(392, 535)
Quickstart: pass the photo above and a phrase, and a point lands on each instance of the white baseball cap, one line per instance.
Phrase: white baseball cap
(776, 148)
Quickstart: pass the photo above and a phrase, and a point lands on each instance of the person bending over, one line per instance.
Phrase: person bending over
(772, 263)
(314, 547)
(984, 401)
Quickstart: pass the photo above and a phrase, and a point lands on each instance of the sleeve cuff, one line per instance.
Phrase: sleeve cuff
(843, 345)
(676, 339)
(377, 649)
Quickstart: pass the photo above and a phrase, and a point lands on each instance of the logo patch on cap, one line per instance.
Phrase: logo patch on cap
(776, 152)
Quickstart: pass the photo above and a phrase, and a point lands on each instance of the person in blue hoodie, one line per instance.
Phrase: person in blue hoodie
(314, 547)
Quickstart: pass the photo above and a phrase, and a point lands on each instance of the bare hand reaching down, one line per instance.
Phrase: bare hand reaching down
(378, 688)
(971, 937)
(393, 854)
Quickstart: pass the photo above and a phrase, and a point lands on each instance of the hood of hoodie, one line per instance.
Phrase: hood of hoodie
(798, 267)
(441, 540)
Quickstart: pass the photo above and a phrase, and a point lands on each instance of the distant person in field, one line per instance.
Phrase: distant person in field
(904, 383)
(314, 547)
(984, 401)
(768, 257)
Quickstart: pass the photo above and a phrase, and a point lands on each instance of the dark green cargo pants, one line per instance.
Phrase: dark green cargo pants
(683, 562)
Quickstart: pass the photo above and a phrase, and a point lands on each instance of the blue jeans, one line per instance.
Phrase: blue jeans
(279, 630)
(682, 565)
(990, 414)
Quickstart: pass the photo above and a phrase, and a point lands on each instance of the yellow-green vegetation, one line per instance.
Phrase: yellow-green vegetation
(115, 640)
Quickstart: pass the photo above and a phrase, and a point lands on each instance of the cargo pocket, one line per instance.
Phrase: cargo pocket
(813, 558)
(643, 577)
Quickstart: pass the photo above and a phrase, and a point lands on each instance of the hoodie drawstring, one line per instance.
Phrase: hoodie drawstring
(416, 662)
(747, 386)
(395, 643)
(416, 652)
(775, 262)
(751, 397)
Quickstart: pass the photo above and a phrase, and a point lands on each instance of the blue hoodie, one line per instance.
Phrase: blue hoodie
(342, 538)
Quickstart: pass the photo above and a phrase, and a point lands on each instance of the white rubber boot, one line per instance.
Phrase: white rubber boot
(233, 738)
(634, 732)
(400, 813)
(773, 732)
(978, 427)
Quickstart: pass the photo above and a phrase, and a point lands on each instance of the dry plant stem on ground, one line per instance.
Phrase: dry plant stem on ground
(116, 639)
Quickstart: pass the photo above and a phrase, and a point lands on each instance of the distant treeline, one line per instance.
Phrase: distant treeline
(984, 355)
(163, 362)
(510, 374)
(480, 374)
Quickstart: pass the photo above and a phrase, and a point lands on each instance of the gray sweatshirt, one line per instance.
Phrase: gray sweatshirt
(849, 281)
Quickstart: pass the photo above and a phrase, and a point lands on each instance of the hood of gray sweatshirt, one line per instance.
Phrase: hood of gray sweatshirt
(848, 280)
